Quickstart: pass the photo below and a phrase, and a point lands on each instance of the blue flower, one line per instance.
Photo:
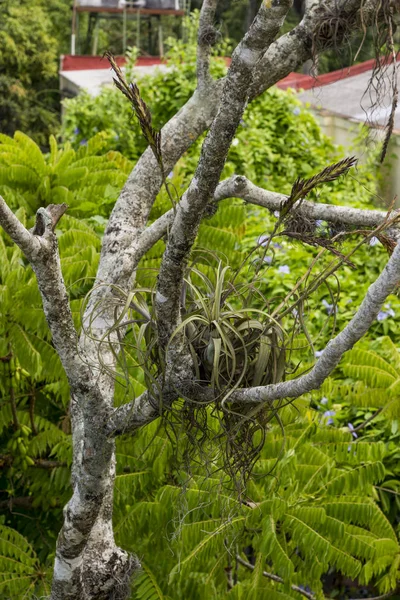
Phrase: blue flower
(276, 213)
(263, 240)
(170, 175)
(330, 308)
(319, 223)
(277, 245)
(373, 241)
(318, 353)
(116, 137)
(83, 143)
(76, 130)
(295, 313)
(284, 269)
(324, 400)
(296, 111)
(384, 314)
(267, 259)
(351, 428)
(328, 415)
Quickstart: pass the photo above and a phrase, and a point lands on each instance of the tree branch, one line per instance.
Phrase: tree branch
(206, 38)
(240, 187)
(296, 47)
(385, 284)
(121, 251)
(130, 214)
(6, 460)
(40, 248)
(22, 502)
(29, 245)
(93, 452)
(133, 415)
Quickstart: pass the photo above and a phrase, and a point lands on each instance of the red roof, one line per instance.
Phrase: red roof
(83, 63)
(307, 82)
(293, 80)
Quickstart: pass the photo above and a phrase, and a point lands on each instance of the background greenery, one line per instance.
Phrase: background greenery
(33, 34)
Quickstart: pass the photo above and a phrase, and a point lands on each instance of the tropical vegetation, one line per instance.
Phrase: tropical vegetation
(317, 515)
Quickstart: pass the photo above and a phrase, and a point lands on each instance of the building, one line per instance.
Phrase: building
(343, 100)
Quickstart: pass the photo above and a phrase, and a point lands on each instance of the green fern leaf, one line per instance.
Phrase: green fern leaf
(146, 586)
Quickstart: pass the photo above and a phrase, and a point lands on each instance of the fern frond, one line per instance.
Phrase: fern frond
(360, 478)
(209, 545)
(146, 586)
(18, 563)
(369, 359)
(271, 547)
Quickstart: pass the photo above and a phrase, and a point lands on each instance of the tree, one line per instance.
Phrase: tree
(88, 563)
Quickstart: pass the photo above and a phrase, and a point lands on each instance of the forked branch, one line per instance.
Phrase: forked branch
(213, 155)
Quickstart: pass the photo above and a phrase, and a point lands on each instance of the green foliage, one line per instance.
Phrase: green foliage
(27, 49)
(87, 179)
(34, 422)
(21, 573)
(146, 586)
(165, 92)
(309, 507)
(29, 52)
(368, 400)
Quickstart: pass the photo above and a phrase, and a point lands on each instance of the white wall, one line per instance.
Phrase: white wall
(344, 132)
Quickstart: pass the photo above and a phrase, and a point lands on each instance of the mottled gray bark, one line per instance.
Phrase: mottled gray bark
(206, 38)
(240, 187)
(93, 459)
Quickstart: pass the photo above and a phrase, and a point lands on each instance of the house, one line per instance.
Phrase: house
(93, 72)
(345, 99)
